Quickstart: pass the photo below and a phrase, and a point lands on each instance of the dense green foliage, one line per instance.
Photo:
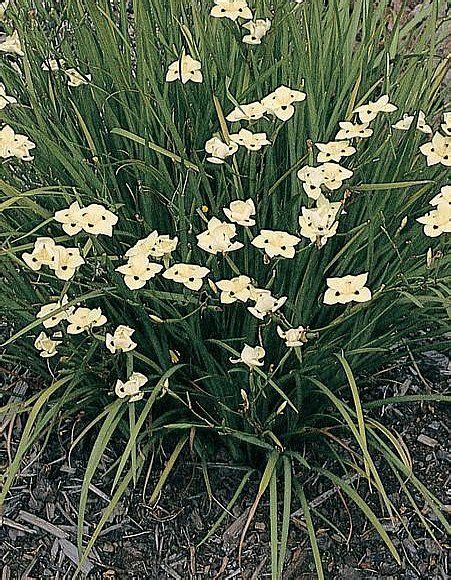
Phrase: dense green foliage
(135, 143)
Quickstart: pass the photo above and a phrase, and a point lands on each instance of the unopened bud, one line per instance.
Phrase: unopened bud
(213, 286)
(175, 356)
(245, 399)
(429, 258)
(155, 319)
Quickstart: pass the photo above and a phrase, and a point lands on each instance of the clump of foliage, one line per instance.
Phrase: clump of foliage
(214, 215)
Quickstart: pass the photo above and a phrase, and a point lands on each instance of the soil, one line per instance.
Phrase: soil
(38, 535)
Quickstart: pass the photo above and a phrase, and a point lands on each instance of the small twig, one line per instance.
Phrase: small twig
(170, 571)
(323, 497)
(12, 524)
(43, 524)
(415, 365)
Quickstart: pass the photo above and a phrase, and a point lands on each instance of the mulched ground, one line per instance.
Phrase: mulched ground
(38, 533)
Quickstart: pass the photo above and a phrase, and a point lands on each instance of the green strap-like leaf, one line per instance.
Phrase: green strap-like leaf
(156, 148)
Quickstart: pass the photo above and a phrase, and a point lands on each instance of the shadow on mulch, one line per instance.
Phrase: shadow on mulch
(39, 524)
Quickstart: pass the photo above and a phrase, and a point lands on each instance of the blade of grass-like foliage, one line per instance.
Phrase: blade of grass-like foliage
(396, 441)
(86, 430)
(310, 529)
(287, 492)
(407, 399)
(264, 482)
(273, 509)
(167, 470)
(27, 434)
(361, 503)
(132, 424)
(345, 412)
(388, 186)
(109, 425)
(358, 408)
(122, 487)
(135, 431)
(229, 506)
(156, 148)
(15, 194)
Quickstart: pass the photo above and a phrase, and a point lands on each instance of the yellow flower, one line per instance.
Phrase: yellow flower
(438, 150)
(164, 246)
(276, 243)
(11, 44)
(155, 245)
(71, 218)
(280, 102)
(219, 151)
(43, 254)
(252, 141)
(238, 288)
(370, 111)
(334, 175)
(347, 289)
(52, 64)
(15, 145)
(218, 237)
(232, 9)
(67, 261)
(252, 356)
(144, 246)
(320, 223)
(293, 336)
(312, 179)
(83, 319)
(437, 221)
(138, 270)
(64, 261)
(353, 131)
(186, 69)
(121, 340)
(265, 304)
(76, 78)
(443, 197)
(5, 99)
(46, 345)
(190, 275)
(405, 123)
(334, 151)
(257, 30)
(240, 212)
(96, 219)
(131, 388)
(53, 307)
(249, 112)
(446, 125)
(331, 175)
